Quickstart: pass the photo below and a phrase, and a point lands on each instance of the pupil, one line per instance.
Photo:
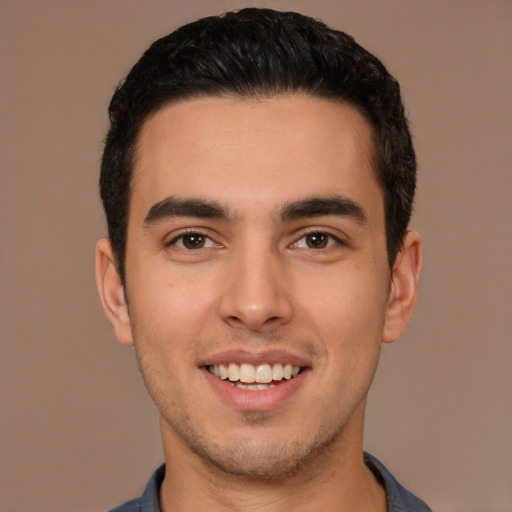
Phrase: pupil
(193, 241)
(317, 240)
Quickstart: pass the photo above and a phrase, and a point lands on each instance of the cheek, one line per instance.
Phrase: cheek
(171, 304)
(346, 300)
(347, 316)
(167, 320)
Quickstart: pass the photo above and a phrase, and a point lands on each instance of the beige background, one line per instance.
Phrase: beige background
(78, 432)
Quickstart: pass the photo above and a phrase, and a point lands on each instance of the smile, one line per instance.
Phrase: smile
(254, 378)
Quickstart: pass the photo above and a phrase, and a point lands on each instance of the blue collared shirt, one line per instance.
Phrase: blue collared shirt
(399, 499)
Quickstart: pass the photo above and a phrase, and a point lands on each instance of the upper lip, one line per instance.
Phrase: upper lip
(255, 358)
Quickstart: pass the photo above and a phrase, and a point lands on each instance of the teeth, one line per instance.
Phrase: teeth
(247, 373)
(223, 371)
(277, 372)
(233, 372)
(253, 387)
(262, 374)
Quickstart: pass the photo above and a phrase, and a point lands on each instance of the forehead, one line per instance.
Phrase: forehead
(267, 151)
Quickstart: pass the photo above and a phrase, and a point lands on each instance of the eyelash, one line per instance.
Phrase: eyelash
(331, 240)
(190, 234)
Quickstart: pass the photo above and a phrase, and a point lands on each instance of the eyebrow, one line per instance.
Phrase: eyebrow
(173, 207)
(320, 206)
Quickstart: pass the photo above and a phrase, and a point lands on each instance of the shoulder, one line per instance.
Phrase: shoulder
(148, 502)
(399, 498)
(129, 506)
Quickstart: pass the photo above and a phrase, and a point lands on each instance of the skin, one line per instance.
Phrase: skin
(256, 284)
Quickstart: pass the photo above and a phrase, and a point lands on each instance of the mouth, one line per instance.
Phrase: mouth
(255, 377)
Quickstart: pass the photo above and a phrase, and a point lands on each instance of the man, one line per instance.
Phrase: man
(258, 179)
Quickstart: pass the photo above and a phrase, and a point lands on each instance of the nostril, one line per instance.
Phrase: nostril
(234, 320)
(253, 323)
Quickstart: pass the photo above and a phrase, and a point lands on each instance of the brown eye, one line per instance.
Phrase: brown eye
(192, 241)
(317, 240)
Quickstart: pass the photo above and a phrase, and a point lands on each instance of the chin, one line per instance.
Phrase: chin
(256, 458)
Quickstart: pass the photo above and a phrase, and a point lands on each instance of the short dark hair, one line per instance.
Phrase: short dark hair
(259, 53)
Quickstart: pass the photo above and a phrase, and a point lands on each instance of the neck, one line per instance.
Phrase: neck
(334, 480)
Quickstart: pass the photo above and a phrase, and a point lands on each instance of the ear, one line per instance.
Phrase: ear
(111, 292)
(403, 291)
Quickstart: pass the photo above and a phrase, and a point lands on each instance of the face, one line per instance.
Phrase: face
(257, 278)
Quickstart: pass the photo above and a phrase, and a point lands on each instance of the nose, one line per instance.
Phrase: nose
(256, 293)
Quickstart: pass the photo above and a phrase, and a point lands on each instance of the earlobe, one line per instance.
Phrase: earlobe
(111, 292)
(403, 291)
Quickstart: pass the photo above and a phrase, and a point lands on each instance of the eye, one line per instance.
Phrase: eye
(316, 240)
(192, 241)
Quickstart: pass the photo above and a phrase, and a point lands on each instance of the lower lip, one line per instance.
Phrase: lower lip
(255, 400)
